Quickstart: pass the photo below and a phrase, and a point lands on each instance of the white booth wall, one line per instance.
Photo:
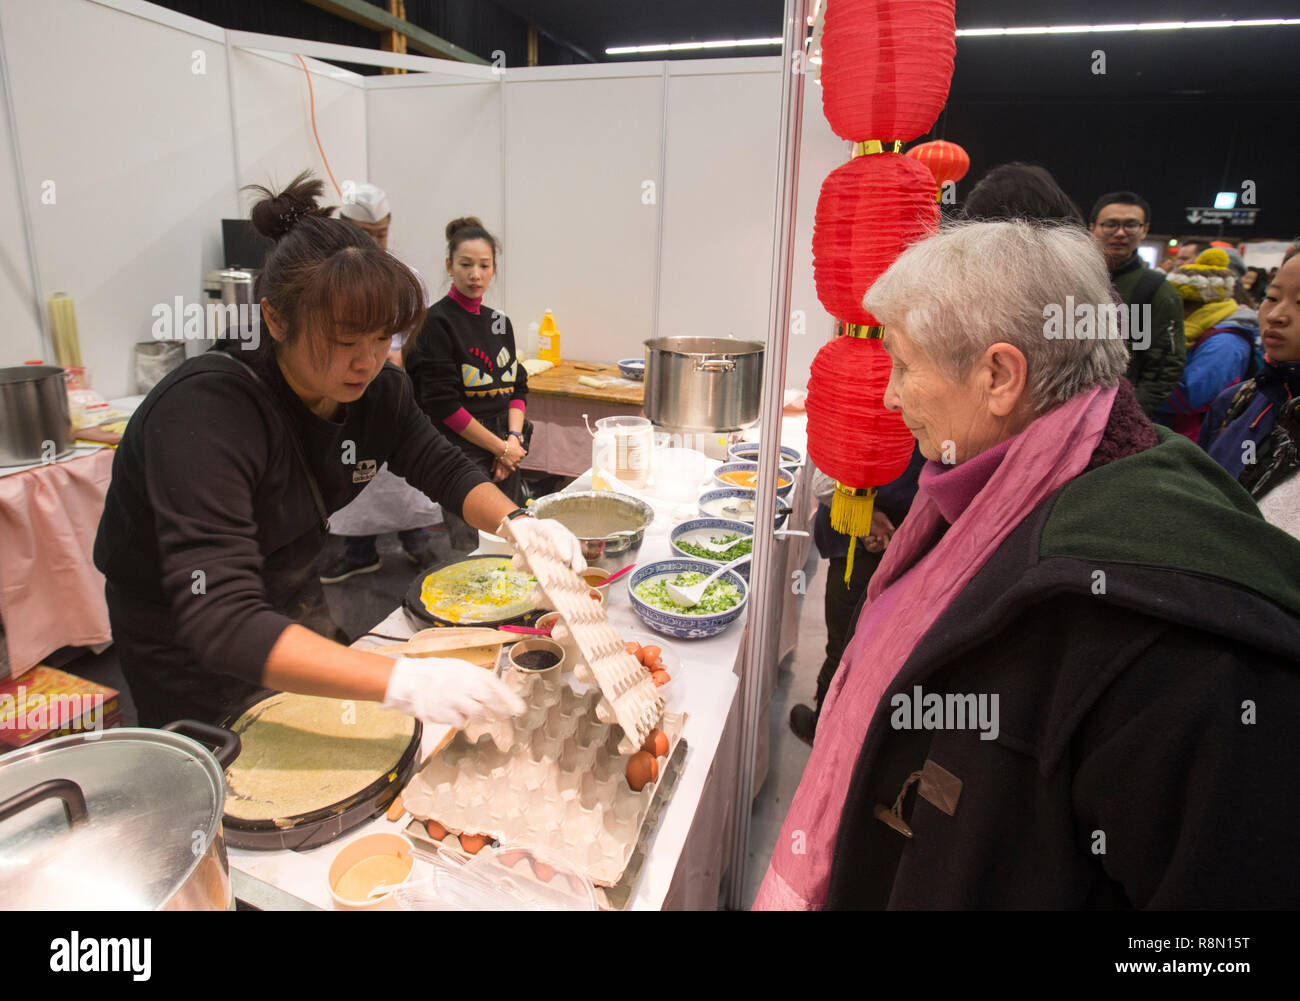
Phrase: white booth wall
(147, 155)
(132, 122)
(588, 207)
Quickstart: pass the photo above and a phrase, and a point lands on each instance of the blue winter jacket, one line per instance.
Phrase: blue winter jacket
(1217, 362)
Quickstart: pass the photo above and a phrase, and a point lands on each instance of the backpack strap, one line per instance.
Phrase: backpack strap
(1240, 402)
(1147, 286)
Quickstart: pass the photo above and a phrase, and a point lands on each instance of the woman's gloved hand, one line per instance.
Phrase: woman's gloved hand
(550, 530)
(440, 690)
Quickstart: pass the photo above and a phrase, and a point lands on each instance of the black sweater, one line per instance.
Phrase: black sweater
(464, 360)
(210, 515)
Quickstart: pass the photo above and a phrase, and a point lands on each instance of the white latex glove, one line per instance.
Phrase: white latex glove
(452, 692)
(561, 538)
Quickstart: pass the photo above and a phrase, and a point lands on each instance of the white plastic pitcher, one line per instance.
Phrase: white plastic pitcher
(624, 445)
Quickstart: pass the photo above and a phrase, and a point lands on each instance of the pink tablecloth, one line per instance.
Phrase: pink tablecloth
(51, 595)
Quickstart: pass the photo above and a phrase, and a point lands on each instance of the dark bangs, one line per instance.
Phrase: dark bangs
(361, 290)
(326, 279)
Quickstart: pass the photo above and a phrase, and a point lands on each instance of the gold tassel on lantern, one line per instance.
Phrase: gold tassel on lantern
(851, 509)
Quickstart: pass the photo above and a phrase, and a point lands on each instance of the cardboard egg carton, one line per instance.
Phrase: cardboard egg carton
(553, 777)
(630, 697)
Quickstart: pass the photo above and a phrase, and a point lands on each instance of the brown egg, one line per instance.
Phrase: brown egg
(631, 647)
(660, 678)
(435, 829)
(642, 768)
(656, 742)
(474, 843)
(651, 654)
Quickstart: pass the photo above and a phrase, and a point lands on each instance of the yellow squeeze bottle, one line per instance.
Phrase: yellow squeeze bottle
(548, 340)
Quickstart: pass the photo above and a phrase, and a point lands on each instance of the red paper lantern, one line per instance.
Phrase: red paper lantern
(946, 161)
(886, 66)
(851, 436)
(870, 209)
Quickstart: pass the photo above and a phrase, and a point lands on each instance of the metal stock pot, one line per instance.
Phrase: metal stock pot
(703, 383)
(34, 420)
(123, 819)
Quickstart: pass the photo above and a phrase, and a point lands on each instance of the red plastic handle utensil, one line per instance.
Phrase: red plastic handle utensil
(615, 576)
(528, 630)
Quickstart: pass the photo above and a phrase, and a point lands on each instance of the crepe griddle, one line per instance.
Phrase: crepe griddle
(415, 607)
(318, 827)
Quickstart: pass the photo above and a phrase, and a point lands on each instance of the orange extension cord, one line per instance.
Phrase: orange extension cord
(311, 95)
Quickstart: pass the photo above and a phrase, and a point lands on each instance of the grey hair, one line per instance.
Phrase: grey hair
(974, 284)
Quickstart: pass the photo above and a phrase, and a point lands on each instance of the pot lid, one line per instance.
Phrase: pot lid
(712, 346)
(153, 804)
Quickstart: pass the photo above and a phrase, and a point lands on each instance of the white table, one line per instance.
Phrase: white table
(685, 850)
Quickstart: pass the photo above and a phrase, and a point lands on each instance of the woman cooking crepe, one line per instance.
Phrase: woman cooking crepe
(216, 511)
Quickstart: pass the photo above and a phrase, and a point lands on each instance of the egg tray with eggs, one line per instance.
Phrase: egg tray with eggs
(629, 696)
(553, 778)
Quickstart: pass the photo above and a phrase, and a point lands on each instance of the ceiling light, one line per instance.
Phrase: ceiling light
(1083, 29)
(628, 50)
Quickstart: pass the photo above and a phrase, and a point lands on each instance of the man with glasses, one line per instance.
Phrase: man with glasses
(1119, 222)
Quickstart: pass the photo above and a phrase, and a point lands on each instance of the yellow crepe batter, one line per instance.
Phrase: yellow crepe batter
(303, 753)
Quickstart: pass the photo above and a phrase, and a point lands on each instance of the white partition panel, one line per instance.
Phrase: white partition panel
(581, 222)
(273, 121)
(130, 146)
(719, 196)
(20, 340)
(435, 149)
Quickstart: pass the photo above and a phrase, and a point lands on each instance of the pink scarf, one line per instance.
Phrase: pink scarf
(908, 592)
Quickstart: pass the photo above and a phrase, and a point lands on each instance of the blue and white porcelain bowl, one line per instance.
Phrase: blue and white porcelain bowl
(785, 476)
(747, 451)
(703, 530)
(632, 368)
(680, 625)
(714, 504)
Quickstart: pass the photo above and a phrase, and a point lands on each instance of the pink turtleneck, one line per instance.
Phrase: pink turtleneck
(459, 421)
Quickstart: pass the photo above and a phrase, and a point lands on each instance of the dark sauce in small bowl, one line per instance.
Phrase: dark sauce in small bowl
(536, 660)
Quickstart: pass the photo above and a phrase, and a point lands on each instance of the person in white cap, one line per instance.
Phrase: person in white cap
(388, 502)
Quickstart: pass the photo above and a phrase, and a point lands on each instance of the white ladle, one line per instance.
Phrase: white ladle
(689, 597)
(718, 548)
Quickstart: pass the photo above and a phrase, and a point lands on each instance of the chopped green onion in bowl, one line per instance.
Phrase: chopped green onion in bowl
(719, 597)
(742, 545)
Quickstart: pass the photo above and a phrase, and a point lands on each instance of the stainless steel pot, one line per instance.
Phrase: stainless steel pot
(610, 526)
(124, 819)
(703, 383)
(34, 421)
(229, 287)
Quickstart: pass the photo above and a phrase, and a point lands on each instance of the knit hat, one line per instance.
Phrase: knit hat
(1235, 261)
(1209, 279)
(368, 204)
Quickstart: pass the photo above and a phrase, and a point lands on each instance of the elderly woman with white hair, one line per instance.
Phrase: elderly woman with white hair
(1074, 679)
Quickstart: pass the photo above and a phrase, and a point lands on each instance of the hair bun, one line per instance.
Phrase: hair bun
(274, 215)
(465, 222)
